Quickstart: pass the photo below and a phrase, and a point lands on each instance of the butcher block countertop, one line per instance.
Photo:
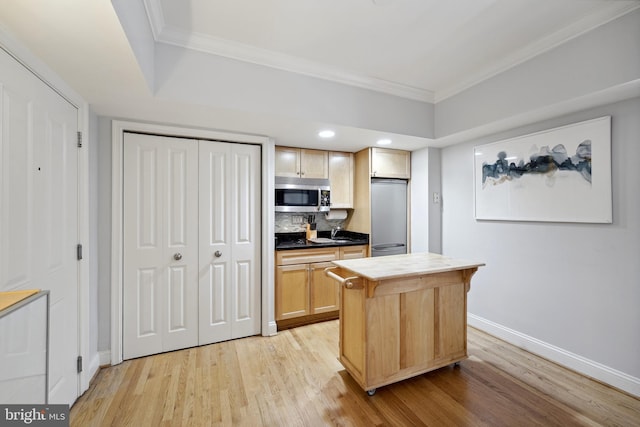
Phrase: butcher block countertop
(397, 266)
(7, 299)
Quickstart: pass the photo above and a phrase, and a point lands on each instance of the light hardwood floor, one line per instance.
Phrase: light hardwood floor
(295, 379)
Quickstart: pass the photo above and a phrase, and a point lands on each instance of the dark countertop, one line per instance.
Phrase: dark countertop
(287, 241)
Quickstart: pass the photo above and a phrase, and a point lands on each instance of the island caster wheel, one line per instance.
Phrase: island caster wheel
(456, 364)
(371, 392)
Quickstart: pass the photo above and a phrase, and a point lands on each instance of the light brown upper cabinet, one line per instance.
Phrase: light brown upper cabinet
(341, 169)
(302, 163)
(386, 163)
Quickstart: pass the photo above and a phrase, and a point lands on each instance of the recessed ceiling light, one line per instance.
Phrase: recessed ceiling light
(384, 141)
(326, 133)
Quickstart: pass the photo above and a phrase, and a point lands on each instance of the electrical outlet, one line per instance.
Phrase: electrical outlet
(297, 219)
(436, 198)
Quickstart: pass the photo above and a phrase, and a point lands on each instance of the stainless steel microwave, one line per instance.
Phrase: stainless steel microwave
(302, 195)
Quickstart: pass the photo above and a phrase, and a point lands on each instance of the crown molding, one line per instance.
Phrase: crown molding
(550, 42)
(155, 17)
(280, 61)
(242, 52)
(251, 54)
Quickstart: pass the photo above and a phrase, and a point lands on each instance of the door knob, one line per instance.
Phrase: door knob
(218, 254)
(177, 256)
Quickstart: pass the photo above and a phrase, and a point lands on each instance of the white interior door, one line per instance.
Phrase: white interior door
(160, 277)
(230, 280)
(39, 212)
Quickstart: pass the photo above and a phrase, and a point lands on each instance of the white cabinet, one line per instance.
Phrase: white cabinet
(24, 340)
(302, 163)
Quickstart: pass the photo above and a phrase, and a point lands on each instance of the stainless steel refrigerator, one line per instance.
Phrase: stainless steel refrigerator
(388, 216)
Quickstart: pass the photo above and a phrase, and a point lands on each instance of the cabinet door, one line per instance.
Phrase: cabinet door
(341, 178)
(353, 252)
(314, 164)
(324, 290)
(452, 321)
(292, 291)
(387, 163)
(287, 162)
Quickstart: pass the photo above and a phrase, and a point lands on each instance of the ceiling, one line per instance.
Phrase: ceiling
(425, 50)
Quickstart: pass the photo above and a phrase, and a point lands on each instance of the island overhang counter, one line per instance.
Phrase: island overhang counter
(401, 315)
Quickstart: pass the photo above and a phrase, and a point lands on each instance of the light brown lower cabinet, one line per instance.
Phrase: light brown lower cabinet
(303, 293)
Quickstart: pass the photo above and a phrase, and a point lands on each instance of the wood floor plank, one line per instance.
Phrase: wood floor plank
(295, 379)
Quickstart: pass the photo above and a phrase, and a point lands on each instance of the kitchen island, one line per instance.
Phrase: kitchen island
(401, 315)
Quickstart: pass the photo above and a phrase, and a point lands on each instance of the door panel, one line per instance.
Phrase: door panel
(246, 242)
(177, 291)
(177, 198)
(212, 308)
(54, 227)
(324, 290)
(244, 295)
(160, 244)
(143, 278)
(229, 251)
(214, 247)
(147, 296)
(39, 210)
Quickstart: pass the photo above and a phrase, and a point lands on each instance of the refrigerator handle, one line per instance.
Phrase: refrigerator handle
(387, 246)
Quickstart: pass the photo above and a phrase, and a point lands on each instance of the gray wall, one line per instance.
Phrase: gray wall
(426, 213)
(596, 61)
(198, 78)
(574, 286)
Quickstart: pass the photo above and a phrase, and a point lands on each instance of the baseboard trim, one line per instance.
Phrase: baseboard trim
(598, 371)
(105, 358)
(90, 372)
(272, 330)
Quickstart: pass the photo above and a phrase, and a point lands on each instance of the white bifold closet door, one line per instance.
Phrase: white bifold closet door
(191, 243)
(160, 278)
(230, 218)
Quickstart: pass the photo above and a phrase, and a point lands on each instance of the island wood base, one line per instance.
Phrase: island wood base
(393, 329)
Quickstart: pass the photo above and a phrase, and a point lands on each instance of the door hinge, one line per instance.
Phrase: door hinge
(79, 251)
(79, 364)
(79, 139)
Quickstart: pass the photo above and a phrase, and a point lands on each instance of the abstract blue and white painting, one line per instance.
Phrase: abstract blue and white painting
(561, 174)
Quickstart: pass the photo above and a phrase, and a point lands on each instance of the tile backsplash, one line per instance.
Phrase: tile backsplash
(284, 222)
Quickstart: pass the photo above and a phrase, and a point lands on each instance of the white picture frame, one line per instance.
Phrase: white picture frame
(557, 175)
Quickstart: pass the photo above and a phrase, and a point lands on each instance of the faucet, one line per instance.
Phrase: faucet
(334, 231)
